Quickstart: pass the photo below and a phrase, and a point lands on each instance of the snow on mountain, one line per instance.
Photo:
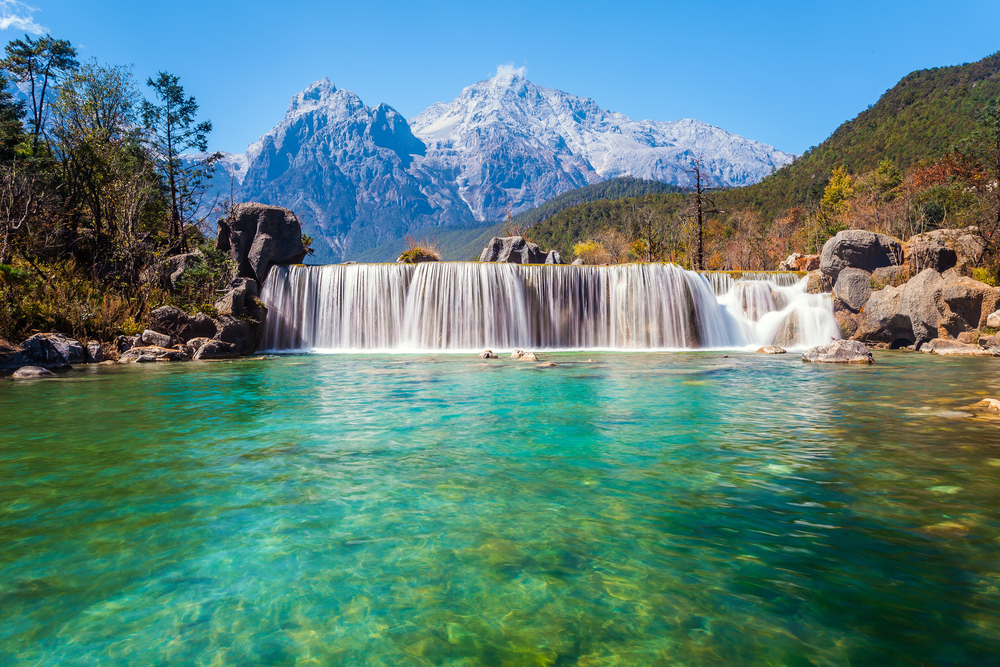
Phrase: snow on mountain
(359, 176)
(518, 143)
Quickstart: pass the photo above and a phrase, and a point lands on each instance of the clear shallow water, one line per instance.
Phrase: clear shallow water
(646, 509)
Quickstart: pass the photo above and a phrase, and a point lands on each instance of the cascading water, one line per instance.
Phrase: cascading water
(471, 306)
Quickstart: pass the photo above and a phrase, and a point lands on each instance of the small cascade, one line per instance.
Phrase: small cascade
(470, 306)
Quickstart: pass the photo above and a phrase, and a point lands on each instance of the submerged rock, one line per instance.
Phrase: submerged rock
(488, 354)
(30, 372)
(771, 349)
(945, 346)
(840, 352)
(548, 364)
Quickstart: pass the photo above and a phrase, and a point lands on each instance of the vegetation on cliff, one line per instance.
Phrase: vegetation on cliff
(94, 199)
(921, 158)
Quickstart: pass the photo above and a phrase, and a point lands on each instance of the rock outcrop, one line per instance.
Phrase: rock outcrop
(258, 236)
(799, 262)
(169, 272)
(853, 288)
(517, 250)
(839, 352)
(953, 347)
(931, 305)
(859, 249)
(54, 350)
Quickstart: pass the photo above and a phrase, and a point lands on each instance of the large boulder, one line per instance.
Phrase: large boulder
(54, 350)
(859, 249)
(258, 236)
(240, 300)
(95, 352)
(884, 319)
(216, 349)
(517, 250)
(853, 287)
(150, 337)
(244, 334)
(993, 320)
(965, 304)
(920, 304)
(943, 249)
(175, 322)
(839, 352)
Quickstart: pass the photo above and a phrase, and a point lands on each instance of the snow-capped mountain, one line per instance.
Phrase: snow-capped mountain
(359, 176)
(516, 143)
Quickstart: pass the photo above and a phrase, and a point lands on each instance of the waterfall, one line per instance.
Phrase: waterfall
(471, 306)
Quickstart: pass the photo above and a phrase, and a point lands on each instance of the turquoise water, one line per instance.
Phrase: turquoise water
(644, 509)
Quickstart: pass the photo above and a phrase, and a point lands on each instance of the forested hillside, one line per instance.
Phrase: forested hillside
(923, 156)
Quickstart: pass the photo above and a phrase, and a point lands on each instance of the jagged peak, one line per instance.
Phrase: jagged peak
(315, 94)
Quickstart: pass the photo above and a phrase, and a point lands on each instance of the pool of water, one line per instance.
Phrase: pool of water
(640, 509)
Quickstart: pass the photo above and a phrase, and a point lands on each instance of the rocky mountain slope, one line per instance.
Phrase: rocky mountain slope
(360, 176)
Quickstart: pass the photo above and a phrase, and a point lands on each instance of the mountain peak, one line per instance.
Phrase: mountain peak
(507, 75)
(315, 94)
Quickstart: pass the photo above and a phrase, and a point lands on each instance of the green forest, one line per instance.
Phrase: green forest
(924, 156)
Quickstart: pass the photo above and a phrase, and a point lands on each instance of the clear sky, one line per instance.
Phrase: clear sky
(785, 73)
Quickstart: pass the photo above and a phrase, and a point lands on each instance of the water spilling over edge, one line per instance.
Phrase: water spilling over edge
(463, 306)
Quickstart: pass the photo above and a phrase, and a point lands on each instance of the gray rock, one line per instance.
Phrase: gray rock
(240, 300)
(892, 275)
(95, 353)
(258, 237)
(516, 354)
(771, 349)
(993, 320)
(151, 353)
(54, 350)
(216, 349)
(553, 257)
(953, 347)
(931, 252)
(488, 354)
(919, 304)
(196, 343)
(577, 262)
(123, 343)
(839, 352)
(817, 283)
(859, 249)
(853, 288)
(965, 304)
(513, 250)
(12, 356)
(181, 326)
(150, 337)
(29, 372)
(884, 320)
(244, 334)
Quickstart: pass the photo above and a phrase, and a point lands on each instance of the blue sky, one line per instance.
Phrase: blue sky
(786, 73)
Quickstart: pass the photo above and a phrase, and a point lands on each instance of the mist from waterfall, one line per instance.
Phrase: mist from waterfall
(469, 306)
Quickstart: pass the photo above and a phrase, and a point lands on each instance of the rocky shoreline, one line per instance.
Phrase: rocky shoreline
(913, 295)
(256, 237)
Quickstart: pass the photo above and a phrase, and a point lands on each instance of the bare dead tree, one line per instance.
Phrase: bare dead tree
(702, 204)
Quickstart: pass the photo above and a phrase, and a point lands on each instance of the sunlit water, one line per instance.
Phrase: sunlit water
(644, 509)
